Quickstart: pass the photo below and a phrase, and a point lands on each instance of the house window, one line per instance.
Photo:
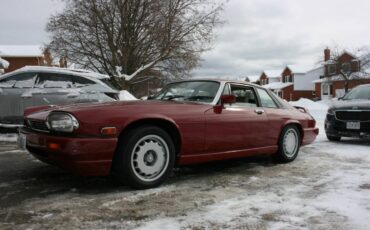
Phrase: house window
(346, 67)
(332, 69)
(327, 89)
(355, 66)
(280, 94)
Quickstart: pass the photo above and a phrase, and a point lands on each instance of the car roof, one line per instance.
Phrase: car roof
(47, 69)
(93, 76)
(224, 81)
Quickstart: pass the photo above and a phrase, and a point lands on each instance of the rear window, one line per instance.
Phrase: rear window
(51, 80)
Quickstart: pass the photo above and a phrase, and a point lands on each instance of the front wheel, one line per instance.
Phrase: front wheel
(289, 143)
(145, 157)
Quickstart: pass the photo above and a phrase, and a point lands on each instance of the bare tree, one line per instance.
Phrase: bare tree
(133, 40)
(357, 69)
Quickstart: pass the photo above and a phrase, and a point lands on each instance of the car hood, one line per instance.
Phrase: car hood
(149, 106)
(352, 104)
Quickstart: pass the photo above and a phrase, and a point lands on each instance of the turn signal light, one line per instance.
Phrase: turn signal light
(109, 130)
(53, 146)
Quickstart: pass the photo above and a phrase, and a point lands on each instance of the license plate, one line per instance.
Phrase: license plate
(22, 139)
(353, 125)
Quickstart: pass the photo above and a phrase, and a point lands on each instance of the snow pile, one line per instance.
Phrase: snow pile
(277, 85)
(8, 137)
(124, 95)
(4, 64)
(316, 109)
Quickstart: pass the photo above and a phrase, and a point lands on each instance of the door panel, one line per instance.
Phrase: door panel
(242, 125)
(235, 129)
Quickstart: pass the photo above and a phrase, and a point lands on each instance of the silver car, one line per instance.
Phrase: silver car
(36, 86)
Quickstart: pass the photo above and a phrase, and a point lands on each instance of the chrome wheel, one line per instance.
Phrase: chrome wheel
(290, 142)
(150, 158)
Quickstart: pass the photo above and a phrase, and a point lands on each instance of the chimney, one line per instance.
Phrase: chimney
(48, 60)
(62, 62)
(326, 54)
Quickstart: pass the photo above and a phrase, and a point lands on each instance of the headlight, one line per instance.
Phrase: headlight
(62, 122)
(331, 111)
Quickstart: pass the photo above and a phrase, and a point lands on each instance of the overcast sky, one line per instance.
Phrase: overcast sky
(257, 35)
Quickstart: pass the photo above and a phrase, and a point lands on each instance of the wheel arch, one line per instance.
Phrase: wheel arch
(296, 124)
(167, 125)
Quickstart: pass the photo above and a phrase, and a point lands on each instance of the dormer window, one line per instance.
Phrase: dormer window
(332, 69)
(288, 78)
(355, 66)
(346, 67)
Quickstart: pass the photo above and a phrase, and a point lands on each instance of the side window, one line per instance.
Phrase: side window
(52, 80)
(226, 90)
(7, 82)
(23, 80)
(245, 96)
(266, 100)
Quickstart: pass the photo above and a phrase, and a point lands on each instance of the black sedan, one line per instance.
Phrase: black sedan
(350, 115)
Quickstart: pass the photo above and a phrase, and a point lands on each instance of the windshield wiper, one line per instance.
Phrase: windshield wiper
(170, 97)
(199, 98)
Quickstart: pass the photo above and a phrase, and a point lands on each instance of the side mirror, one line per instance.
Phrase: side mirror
(228, 99)
(340, 98)
(225, 99)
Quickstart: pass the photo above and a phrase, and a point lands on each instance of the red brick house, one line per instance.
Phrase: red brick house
(276, 82)
(19, 56)
(331, 84)
(301, 77)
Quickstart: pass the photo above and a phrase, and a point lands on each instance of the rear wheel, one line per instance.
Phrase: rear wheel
(333, 138)
(289, 143)
(145, 157)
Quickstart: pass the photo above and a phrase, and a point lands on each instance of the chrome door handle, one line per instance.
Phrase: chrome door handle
(259, 111)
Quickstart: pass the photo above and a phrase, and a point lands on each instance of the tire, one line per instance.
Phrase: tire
(289, 143)
(333, 138)
(144, 158)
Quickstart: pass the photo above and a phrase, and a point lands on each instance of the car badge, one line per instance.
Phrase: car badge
(354, 107)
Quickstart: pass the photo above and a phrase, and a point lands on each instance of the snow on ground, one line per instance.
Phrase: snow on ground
(338, 199)
(8, 137)
(326, 187)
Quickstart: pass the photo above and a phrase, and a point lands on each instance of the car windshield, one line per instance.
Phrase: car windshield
(361, 92)
(197, 91)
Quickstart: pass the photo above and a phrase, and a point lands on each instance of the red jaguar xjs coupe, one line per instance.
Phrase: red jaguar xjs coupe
(187, 122)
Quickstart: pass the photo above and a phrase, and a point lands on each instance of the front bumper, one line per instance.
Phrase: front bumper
(84, 156)
(334, 127)
(309, 135)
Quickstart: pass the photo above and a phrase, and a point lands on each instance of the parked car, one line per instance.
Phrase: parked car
(350, 115)
(36, 86)
(187, 122)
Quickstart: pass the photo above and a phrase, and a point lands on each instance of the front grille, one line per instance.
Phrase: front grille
(353, 115)
(37, 125)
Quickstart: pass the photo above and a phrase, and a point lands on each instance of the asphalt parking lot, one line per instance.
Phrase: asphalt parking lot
(323, 189)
